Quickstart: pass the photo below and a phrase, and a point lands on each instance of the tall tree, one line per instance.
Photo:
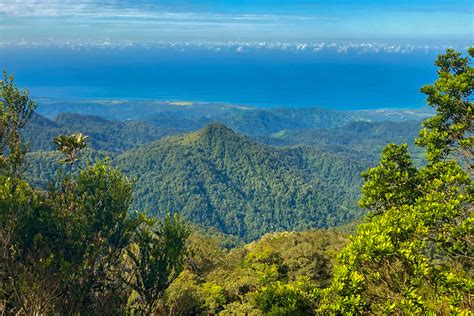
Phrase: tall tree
(414, 253)
(17, 201)
(15, 111)
(450, 132)
(157, 259)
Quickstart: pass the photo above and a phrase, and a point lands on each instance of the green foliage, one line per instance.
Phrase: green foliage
(252, 278)
(297, 298)
(62, 250)
(66, 248)
(15, 110)
(111, 136)
(70, 146)
(183, 297)
(157, 259)
(451, 129)
(90, 212)
(23, 290)
(69, 242)
(414, 254)
(43, 167)
(360, 140)
(393, 182)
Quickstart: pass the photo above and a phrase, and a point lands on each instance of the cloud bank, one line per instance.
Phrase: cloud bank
(241, 46)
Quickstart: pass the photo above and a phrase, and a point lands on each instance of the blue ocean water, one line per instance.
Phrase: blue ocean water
(261, 77)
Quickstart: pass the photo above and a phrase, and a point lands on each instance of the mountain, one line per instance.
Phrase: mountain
(222, 179)
(106, 135)
(246, 120)
(218, 178)
(395, 115)
(190, 116)
(356, 139)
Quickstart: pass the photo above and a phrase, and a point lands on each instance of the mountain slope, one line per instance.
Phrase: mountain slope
(216, 177)
(111, 136)
(190, 116)
(364, 140)
(249, 121)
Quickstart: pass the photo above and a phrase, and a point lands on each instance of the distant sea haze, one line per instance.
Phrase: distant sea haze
(262, 78)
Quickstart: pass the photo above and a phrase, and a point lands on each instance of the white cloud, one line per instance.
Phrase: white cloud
(243, 47)
(43, 7)
(97, 20)
(127, 10)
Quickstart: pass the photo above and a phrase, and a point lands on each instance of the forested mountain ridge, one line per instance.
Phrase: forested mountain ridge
(249, 121)
(204, 174)
(191, 116)
(356, 139)
(216, 177)
(106, 135)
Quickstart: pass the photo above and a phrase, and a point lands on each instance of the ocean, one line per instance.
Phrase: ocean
(258, 77)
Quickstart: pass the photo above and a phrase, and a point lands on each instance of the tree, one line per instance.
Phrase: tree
(297, 298)
(157, 259)
(414, 253)
(17, 202)
(64, 245)
(450, 131)
(391, 183)
(16, 109)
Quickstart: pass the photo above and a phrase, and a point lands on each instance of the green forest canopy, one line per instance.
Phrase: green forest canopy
(246, 188)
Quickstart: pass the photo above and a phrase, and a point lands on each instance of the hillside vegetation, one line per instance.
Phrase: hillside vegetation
(105, 135)
(216, 177)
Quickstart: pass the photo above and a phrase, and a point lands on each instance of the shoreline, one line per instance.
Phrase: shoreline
(178, 103)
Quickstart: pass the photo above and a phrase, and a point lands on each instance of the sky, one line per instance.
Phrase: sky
(144, 21)
(266, 52)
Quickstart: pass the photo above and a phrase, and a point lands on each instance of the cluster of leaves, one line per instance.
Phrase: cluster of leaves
(450, 132)
(15, 110)
(75, 249)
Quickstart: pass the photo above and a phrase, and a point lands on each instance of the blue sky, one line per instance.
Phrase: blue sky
(401, 21)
